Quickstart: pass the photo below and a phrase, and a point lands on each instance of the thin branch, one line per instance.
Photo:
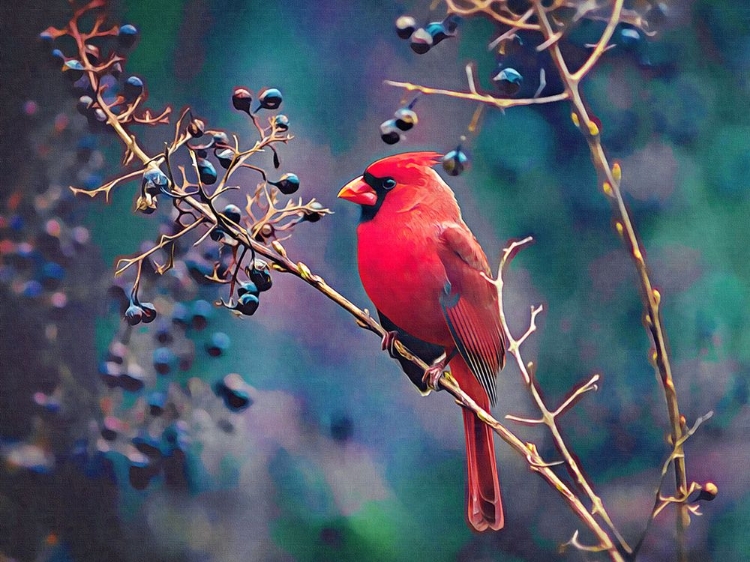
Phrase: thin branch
(610, 177)
(549, 418)
(589, 386)
(601, 45)
(164, 240)
(479, 6)
(501, 103)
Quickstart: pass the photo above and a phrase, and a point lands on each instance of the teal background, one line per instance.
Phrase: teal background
(280, 487)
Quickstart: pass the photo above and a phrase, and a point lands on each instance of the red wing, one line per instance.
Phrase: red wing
(470, 306)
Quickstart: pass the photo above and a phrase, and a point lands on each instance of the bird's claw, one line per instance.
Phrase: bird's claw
(389, 343)
(432, 376)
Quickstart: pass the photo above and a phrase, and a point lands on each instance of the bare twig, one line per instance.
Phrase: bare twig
(549, 417)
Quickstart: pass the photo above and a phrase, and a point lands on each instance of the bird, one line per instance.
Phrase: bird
(430, 282)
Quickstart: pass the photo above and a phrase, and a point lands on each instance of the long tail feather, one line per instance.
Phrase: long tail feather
(484, 505)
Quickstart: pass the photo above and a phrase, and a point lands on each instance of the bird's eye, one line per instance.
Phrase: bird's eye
(389, 183)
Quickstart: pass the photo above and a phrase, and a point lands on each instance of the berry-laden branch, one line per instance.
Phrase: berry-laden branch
(553, 21)
(109, 101)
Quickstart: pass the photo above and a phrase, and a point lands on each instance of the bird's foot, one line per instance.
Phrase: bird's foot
(433, 373)
(389, 343)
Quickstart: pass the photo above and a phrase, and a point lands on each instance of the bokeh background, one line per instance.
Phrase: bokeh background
(338, 457)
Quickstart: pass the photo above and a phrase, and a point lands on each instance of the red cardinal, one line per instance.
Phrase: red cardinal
(423, 269)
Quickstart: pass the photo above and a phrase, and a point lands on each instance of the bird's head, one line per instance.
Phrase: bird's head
(392, 174)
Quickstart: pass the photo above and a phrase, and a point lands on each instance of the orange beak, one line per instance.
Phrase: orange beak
(357, 191)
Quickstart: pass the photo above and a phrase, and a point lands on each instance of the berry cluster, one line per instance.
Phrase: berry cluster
(391, 131)
(207, 240)
(422, 39)
(404, 119)
(150, 409)
(110, 99)
(96, 73)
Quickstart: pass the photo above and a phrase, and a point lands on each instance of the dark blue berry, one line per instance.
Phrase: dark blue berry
(287, 184)
(421, 41)
(32, 289)
(451, 22)
(247, 304)
(233, 213)
(232, 391)
(164, 360)
(206, 171)
(217, 234)
(132, 379)
(202, 311)
(133, 87)
(269, 98)
(110, 428)
(314, 212)
(196, 128)
(58, 56)
(73, 70)
(248, 287)
(389, 132)
(405, 26)
(149, 312)
(74, 64)
(156, 402)
(110, 373)
(629, 37)
(84, 105)
(82, 87)
(180, 315)
(141, 471)
(438, 31)
(147, 445)
(241, 99)
(134, 314)
(342, 427)
(176, 435)
(218, 344)
(199, 271)
(405, 118)
(155, 182)
(260, 275)
(224, 157)
(220, 138)
(455, 161)
(508, 81)
(281, 122)
(163, 334)
(126, 36)
(116, 70)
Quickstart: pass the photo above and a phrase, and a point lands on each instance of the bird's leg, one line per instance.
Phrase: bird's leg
(389, 342)
(433, 373)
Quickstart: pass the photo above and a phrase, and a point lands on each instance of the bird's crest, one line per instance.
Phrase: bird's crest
(385, 166)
